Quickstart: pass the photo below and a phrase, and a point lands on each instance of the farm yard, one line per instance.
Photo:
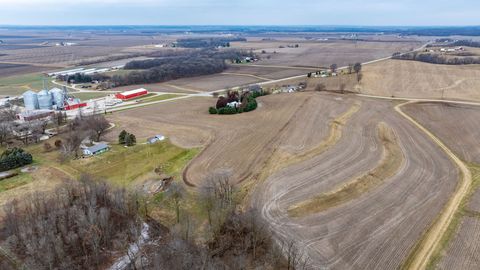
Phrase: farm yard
(354, 182)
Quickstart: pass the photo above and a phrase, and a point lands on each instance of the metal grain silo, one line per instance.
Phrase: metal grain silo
(45, 100)
(58, 97)
(31, 100)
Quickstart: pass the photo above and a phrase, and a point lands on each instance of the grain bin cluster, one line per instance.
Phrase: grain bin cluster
(54, 98)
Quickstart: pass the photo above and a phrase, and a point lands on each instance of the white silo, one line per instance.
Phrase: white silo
(45, 100)
(58, 97)
(30, 100)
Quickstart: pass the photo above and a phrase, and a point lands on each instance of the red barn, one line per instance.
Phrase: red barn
(131, 94)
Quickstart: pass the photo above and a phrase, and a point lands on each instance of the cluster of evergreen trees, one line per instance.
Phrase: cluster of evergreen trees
(249, 103)
(14, 158)
(127, 138)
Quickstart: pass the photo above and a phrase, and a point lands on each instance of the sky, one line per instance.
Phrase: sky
(240, 12)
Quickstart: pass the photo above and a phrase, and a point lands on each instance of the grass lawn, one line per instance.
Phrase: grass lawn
(161, 97)
(123, 166)
(16, 85)
(142, 97)
(16, 181)
(89, 95)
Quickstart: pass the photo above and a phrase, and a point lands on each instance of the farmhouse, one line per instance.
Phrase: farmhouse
(234, 104)
(96, 149)
(131, 94)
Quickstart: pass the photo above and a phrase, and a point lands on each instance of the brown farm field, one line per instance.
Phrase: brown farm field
(323, 53)
(319, 142)
(414, 79)
(457, 126)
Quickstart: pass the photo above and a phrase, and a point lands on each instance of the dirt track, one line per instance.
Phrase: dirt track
(379, 229)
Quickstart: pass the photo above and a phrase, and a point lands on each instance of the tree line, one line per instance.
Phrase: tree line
(455, 43)
(436, 58)
(206, 42)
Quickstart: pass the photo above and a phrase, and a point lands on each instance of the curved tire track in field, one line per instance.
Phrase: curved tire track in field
(392, 159)
(379, 229)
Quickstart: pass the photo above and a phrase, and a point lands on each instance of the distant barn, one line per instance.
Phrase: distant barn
(131, 94)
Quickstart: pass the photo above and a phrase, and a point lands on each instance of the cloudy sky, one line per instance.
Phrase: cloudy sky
(239, 12)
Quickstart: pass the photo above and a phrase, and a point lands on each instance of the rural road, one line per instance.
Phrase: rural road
(432, 239)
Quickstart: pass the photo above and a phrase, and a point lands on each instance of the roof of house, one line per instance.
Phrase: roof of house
(131, 92)
(97, 147)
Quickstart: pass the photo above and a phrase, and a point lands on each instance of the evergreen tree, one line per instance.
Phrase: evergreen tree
(122, 136)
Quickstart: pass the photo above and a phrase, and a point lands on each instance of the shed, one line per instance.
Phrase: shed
(156, 138)
(96, 149)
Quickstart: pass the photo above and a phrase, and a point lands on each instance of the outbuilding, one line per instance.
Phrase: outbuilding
(132, 94)
(96, 149)
(156, 138)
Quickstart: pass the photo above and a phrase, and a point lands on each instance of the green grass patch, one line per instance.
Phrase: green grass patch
(16, 181)
(16, 85)
(161, 97)
(89, 95)
(142, 97)
(122, 166)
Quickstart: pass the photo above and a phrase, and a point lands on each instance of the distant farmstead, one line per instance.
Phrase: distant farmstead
(131, 94)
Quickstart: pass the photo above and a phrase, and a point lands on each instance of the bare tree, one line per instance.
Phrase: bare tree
(98, 125)
(350, 68)
(358, 68)
(295, 257)
(333, 68)
(5, 131)
(71, 143)
(176, 192)
(8, 114)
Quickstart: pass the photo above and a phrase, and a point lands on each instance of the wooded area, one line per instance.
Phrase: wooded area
(163, 69)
